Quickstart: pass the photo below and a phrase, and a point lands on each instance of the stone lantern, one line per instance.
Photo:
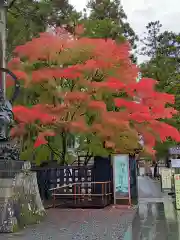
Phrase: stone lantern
(18, 185)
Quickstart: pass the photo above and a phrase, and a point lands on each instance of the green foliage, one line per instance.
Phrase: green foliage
(163, 50)
(58, 12)
(27, 18)
(105, 28)
(162, 149)
(24, 20)
(150, 39)
(108, 20)
(92, 145)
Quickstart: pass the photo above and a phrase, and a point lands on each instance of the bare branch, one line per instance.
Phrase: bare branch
(11, 4)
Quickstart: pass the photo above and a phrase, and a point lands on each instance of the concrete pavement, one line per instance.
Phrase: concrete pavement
(155, 219)
(78, 224)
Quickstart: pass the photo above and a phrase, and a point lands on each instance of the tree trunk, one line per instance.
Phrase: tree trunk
(64, 147)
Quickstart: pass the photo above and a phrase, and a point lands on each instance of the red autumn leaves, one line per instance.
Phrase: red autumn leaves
(83, 75)
(33, 114)
(41, 139)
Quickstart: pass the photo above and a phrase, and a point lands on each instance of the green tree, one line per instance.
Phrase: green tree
(164, 64)
(27, 18)
(60, 12)
(163, 49)
(107, 19)
(65, 83)
(150, 41)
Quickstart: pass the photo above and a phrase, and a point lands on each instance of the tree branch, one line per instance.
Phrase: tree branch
(58, 154)
(11, 4)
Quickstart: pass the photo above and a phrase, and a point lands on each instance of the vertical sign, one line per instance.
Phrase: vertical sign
(177, 190)
(166, 175)
(121, 177)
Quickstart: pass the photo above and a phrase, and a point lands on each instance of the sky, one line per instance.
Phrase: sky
(140, 12)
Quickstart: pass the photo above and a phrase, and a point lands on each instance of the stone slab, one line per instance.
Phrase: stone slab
(21, 203)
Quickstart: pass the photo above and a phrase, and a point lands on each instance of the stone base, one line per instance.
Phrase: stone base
(20, 202)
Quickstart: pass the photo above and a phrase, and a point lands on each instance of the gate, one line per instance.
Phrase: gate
(72, 186)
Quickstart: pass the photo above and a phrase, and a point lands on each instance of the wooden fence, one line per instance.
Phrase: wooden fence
(72, 182)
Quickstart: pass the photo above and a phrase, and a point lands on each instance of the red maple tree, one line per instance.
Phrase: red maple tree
(88, 87)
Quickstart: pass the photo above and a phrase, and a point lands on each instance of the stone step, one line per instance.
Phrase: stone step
(4, 164)
(6, 192)
(6, 182)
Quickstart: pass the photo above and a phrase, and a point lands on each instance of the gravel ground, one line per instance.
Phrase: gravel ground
(63, 224)
(155, 219)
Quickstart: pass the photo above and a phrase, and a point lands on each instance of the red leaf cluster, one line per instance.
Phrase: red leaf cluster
(49, 74)
(41, 140)
(31, 115)
(79, 29)
(97, 105)
(84, 74)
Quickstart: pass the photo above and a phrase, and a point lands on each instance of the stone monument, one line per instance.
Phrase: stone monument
(20, 202)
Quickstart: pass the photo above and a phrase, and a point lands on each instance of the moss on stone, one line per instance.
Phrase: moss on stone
(29, 212)
(15, 228)
(25, 205)
(29, 217)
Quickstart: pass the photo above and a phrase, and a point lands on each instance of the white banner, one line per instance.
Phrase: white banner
(121, 177)
(175, 163)
(166, 175)
(177, 190)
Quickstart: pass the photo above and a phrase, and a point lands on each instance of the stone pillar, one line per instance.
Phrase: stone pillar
(20, 202)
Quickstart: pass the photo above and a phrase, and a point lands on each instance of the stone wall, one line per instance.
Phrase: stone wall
(20, 202)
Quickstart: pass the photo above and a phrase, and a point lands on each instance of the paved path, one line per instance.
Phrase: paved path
(154, 220)
(149, 188)
(86, 224)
